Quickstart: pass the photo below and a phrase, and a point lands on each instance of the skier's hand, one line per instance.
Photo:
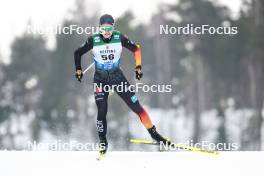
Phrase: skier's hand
(138, 71)
(79, 75)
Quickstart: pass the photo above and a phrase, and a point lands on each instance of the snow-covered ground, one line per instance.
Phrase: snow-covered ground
(79, 163)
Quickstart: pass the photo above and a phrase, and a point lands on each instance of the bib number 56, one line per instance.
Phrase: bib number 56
(107, 57)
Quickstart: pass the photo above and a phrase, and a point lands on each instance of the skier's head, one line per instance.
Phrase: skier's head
(106, 25)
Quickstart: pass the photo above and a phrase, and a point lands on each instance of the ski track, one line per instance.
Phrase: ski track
(80, 163)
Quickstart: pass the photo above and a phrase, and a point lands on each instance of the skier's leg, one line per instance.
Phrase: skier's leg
(133, 103)
(101, 99)
(101, 103)
(131, 99)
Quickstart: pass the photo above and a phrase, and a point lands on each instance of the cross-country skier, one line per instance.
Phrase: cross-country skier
(106, 47)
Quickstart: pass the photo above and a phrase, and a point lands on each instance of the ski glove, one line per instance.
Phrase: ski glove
(79, 75)
(138, 72)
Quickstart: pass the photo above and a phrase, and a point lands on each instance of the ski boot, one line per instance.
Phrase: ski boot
(103, 145)
(157, 137)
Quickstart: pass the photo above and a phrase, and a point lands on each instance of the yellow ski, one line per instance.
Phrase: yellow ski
(179, 146)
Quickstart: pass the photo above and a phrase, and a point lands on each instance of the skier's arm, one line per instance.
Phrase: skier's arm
(84, 48)
(130, 45)
(135, 48)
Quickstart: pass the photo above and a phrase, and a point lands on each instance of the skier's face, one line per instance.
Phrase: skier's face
(106, 30)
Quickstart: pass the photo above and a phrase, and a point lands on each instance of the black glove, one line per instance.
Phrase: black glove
(79, 76)
(139, 74)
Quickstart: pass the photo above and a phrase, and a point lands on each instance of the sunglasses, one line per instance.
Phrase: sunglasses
(108, 28)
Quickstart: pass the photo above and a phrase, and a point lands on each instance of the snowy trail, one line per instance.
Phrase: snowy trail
(68, 163)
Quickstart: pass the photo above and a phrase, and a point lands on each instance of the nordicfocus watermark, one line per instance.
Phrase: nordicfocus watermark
(190, 29)
(68, 30)
(203, 145)
(126, 87)
(64, 146)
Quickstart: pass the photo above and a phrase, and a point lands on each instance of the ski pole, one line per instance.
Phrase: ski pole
(88, 68)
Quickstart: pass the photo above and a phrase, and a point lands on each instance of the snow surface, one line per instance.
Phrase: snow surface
(80, 163)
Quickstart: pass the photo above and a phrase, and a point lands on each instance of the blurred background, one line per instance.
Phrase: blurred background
(217, 79)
